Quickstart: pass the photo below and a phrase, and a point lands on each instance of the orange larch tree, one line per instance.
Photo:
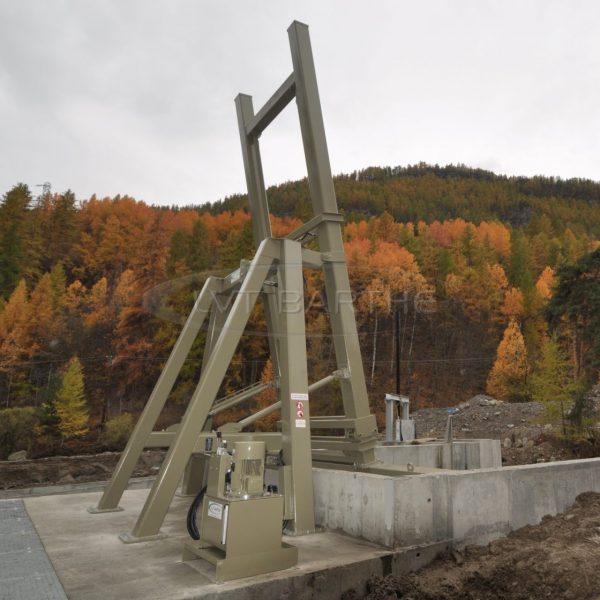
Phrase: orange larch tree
(508, 377)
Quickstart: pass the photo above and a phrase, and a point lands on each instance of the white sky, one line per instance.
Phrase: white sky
(136, 97)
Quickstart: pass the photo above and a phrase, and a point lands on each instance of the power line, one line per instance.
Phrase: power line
(238, 362)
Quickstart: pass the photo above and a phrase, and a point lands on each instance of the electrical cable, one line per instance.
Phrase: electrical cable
(192, 525)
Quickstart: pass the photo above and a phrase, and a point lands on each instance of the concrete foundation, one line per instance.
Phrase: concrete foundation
(92, 564)
(461, 507)
(461, 454)
(396, 524)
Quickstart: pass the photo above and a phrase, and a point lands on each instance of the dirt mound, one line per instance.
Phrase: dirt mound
(556, 559)
(522, 428)
(483, 417)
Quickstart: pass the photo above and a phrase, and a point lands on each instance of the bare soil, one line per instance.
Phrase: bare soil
(71, 469)
(556, 559)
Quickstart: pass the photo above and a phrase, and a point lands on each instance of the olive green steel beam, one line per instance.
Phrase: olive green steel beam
(286, 329)
(312, 224)
(193, 477)
(311, 259)
(257, 416)
(267, 114)
(137, 441)
(325, 459)
(157, 503)
(238, 397)
(339, 443)
(218, 316)
(259, 209)
(337, 284)
(295, 426)
(164, 439)
(335, 422)
(255, 181)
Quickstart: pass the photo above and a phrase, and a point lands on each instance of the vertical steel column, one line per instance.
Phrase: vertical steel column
(161, 494)
(294, 387)
(337, 284)
(138, 439)
(257, 195)
(259, 209)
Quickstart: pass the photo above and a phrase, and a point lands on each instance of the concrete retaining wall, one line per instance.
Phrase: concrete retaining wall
(466, 454)
(467, 507)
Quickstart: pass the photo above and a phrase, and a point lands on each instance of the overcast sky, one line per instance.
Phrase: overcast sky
(136, 97)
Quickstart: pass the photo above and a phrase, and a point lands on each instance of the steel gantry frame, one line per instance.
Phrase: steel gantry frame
(275, 276)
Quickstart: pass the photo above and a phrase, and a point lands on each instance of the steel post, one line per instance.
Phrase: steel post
(337, 284)
(294, 387)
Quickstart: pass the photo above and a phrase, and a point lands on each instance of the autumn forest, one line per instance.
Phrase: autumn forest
(495, 281)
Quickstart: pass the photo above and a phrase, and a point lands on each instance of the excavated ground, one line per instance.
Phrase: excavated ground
(71, 469)
(556, 559)
(523, 429)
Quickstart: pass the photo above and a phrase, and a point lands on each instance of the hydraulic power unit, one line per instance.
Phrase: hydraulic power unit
(241, 522)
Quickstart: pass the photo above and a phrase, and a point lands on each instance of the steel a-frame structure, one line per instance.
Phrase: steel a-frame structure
(275, 276)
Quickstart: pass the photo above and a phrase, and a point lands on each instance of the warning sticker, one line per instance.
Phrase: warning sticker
(299, 396)
(300, 422)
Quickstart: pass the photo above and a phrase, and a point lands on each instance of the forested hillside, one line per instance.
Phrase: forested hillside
(93, 293)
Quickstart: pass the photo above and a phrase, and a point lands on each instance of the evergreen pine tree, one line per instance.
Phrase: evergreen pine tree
(60, 230)
(13, 207)
(519, 269)
(576, 302)
(238, 245)
(13, 216)
(552, 382)
(198, 254)
(10, 261)
(178, 253)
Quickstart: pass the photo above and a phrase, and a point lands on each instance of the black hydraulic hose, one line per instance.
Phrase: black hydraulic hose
(192, 525)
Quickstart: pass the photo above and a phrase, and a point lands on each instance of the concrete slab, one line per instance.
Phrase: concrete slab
(93, 564)
(135, 483)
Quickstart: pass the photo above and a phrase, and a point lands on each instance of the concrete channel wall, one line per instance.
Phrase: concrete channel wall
(461, 454)
(465, 507)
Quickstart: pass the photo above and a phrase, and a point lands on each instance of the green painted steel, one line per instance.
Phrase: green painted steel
(275, 276)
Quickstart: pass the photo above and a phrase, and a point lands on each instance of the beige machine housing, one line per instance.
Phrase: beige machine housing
(241, 523)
